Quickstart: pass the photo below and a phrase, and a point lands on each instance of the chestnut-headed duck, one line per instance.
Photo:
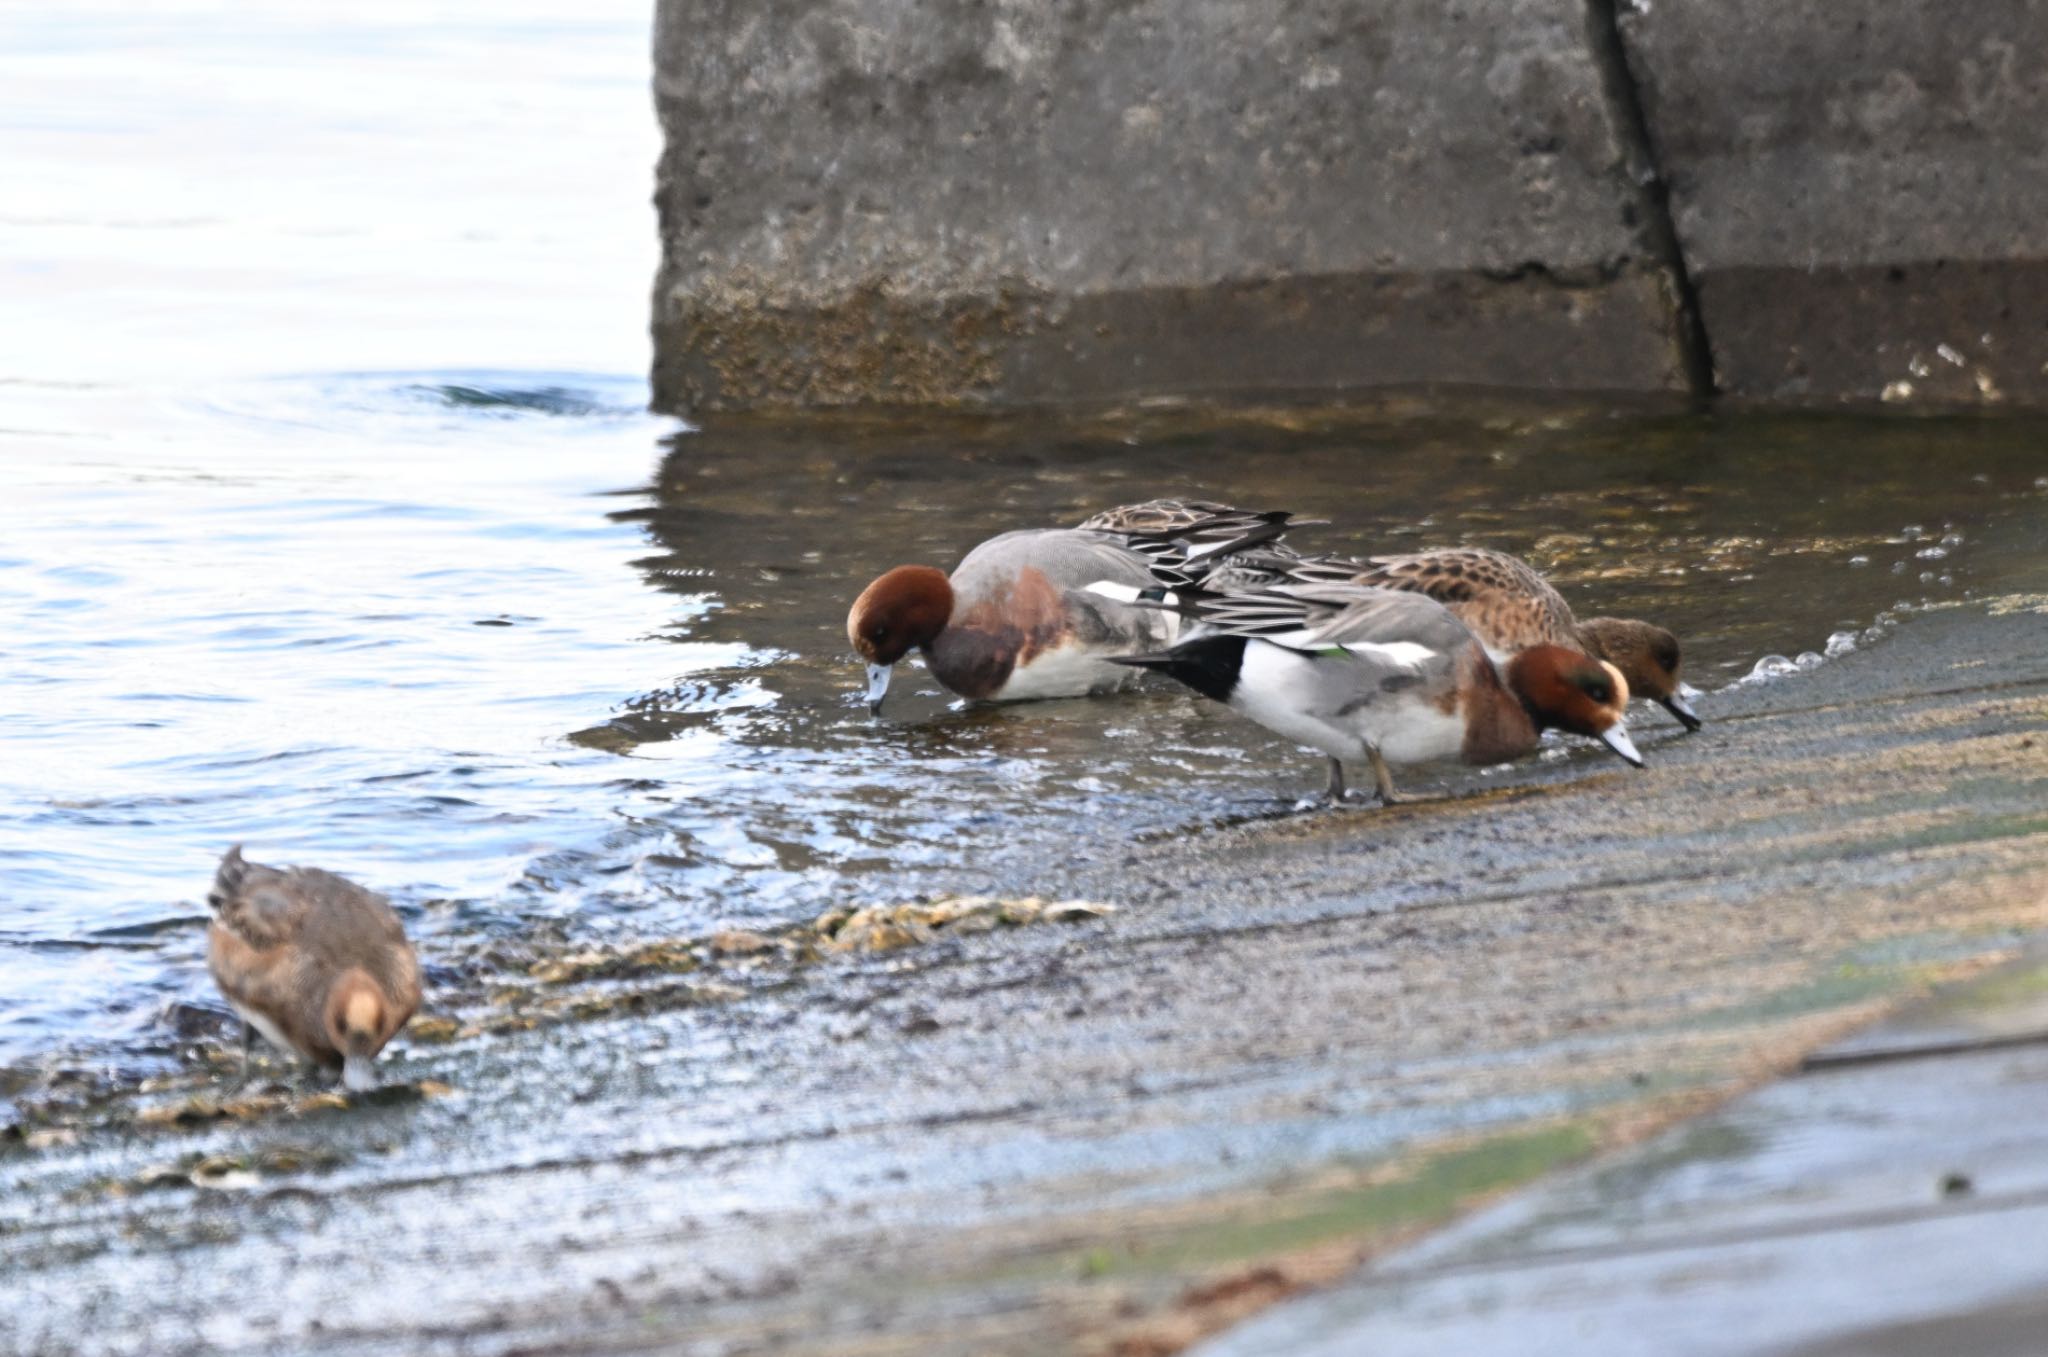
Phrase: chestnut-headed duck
(317, 964)
(1381, 676)
(1508, 605)
(1015, 620)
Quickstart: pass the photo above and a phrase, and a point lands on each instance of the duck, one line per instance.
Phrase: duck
(1381, 676)
(316, 963)
(1014, 621)
(1504, 600)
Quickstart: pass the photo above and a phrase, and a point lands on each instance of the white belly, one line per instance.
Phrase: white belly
(272, 1033)
(1416, 732)
(1070, 671)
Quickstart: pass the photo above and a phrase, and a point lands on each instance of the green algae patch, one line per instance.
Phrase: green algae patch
(2022, 985)
(1393, 1200)
(1955, 831)
(1894, 967)
(1840, 987)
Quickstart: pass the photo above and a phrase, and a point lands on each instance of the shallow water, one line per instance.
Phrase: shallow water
(334, 527)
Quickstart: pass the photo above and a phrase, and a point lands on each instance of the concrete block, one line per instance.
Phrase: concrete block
(1860, 190)
(886, 201)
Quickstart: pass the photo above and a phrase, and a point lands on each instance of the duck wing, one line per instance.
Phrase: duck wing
(256, 903)
(1310, 616)
(1158, 517)
(1184, 541)
(1349, 614)
(1506, 603)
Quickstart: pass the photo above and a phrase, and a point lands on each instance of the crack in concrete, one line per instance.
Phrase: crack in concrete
(1645, 174)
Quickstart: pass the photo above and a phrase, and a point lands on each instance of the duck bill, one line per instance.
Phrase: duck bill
(1615, 737)
(878, 687)
(358, 1074)
(1679, 708)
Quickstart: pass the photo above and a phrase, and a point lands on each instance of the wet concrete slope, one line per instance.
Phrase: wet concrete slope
(1887, 1199)
(1290, 1043)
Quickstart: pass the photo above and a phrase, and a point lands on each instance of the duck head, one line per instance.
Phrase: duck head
(1574, 692)
(903, 610)
(358, 1023)
(1647, 656)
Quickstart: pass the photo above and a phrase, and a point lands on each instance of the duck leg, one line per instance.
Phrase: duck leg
(1383, 778)
(1337, 780)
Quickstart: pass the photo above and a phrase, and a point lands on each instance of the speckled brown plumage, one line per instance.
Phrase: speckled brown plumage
(1506, 603)
(311, 957)
(1164, 516)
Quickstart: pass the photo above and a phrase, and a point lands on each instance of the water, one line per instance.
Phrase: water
(333, 526)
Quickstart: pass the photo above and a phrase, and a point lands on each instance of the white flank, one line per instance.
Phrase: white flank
(1284, 690)
(1122, 593)
(1281, 689)
(1070, 671)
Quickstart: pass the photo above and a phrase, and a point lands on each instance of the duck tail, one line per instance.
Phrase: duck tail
(1208, 664)
(228, 879)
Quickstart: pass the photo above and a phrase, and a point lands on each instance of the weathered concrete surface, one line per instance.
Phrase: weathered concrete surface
(1891, 1201)
(1297, 1042)
(879, 201)
(872, 201)
(1861, 192)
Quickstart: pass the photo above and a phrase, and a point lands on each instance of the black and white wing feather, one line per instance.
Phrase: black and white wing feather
(1184, 541)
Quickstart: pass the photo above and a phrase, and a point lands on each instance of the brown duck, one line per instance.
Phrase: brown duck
(317, 964)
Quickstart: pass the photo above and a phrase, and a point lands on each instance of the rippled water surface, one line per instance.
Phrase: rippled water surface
(334, 526)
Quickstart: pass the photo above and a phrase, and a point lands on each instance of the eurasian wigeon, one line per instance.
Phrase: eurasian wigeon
(1015, 620)
(317, 964)
(1381, 676)
(1508, 605)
